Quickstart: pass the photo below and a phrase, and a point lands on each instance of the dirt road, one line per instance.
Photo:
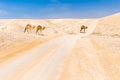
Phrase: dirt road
(69, 57)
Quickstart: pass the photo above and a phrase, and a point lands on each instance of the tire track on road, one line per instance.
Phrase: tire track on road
(46, 68)
(18, 62)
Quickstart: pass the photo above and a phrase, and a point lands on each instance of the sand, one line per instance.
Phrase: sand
(60, 52)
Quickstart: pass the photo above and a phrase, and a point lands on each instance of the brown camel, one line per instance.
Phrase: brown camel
(83, 28)
(39, 28)
(28, 28)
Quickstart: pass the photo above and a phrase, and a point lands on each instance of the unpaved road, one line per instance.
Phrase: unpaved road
(69, 57)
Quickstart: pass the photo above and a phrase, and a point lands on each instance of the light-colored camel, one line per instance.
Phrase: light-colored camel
(39, 28)
(28, 28)
(83, 28)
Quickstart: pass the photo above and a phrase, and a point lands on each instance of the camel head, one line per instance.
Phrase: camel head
(44, 27)
(86, 27)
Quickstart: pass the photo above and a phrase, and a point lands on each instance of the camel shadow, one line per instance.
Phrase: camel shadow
(83, 32)
(41, 34)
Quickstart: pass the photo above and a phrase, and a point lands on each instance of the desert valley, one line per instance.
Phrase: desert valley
(60, 51)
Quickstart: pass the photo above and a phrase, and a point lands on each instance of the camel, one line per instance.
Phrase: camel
(83, 28)
(28, 28)
(40, 28)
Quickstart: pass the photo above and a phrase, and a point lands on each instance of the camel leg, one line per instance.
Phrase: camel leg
(28, 31)
(84, 30)
(40, 31)
(24, 30)
(80, 30)
(36, 31)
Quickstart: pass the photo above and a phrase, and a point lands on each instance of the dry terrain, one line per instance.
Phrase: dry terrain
(60, 52)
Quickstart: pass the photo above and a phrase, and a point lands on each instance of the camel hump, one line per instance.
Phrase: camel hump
(83, 25)
(39, 26)
(28, 24)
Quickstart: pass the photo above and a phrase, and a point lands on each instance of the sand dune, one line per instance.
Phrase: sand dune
(60, 52)
(109, 26)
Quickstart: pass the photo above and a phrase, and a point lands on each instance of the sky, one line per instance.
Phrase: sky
(50, 9)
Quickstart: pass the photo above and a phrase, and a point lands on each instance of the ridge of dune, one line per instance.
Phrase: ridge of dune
(109, 26)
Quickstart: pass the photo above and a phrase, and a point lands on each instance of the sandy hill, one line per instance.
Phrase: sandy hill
(109, 25)
(53, 26)
(12, 30)
(60, 52)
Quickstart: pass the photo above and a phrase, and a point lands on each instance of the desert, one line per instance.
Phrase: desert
(60, 51)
